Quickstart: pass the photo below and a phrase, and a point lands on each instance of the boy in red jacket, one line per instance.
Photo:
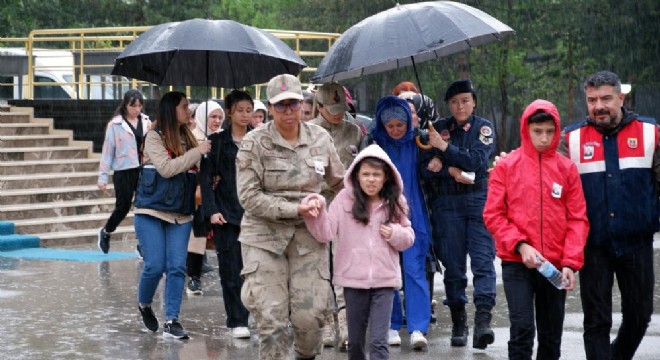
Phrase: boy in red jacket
(536, 212)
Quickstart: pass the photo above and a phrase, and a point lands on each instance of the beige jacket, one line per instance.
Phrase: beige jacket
(274, 176)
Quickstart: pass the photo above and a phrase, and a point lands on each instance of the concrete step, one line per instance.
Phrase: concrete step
(66, 223)
(14, 118)
(27, 141)
(56, 209)
(45, 166)
(28, 181)
(24, 129)
(43, 195)
(43, 153)
(86, 236)
(18, 241)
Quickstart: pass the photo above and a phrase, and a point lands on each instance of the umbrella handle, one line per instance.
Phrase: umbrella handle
(418, 139)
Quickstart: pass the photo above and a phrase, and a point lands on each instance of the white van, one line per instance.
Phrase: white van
(50, 66)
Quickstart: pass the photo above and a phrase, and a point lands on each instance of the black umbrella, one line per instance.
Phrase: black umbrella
(405, 35)
(202, 52)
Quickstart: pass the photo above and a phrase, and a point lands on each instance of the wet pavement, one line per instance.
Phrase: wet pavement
(87, 310)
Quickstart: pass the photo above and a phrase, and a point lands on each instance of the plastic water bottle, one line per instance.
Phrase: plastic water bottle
(551, 273)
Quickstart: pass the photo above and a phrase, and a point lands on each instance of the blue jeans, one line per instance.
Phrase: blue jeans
(527, 292)
(459, 230)
(164, 248)
(635, 277)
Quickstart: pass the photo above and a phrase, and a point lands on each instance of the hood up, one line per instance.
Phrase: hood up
(379, 133)
(374, 151)
(526, 140)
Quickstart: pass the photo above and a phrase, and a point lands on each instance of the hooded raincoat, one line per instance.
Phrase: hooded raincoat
(537, 197)
(405, 156)
(363, 259)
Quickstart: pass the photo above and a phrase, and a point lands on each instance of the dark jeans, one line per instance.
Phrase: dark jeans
(527, 291)
(634, 274)
(125, 182)
(368, 307)
(230, 264)
(459, 230)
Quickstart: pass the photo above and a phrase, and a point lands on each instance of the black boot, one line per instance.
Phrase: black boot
(459, 330)
(483, 334)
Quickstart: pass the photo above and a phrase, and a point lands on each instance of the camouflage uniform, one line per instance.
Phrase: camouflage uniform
(286, 270)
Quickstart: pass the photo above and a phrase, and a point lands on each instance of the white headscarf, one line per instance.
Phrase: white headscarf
(201, 114)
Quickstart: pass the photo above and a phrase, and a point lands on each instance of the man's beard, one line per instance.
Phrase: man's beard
(607, 123)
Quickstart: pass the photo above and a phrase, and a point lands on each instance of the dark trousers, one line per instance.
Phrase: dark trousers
(230, 264)
(194, 264)
(634, 274)
(368, 307)
(528, 292)
(459, 230)
(125, 182)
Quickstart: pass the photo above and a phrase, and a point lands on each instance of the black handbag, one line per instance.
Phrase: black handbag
(201, 224)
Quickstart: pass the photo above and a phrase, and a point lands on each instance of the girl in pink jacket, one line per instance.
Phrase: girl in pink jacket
(368, 219)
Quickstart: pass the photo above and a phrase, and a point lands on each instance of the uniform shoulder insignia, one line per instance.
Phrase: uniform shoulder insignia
(486, 130)
(243, 164)
(266, 142)
(247, 145)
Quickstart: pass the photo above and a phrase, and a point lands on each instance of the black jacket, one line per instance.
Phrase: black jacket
(220, 165)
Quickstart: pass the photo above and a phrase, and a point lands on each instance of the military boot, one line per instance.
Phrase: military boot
(459, 329)
(483, 334)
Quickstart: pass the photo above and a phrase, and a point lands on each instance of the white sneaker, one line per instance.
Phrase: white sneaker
(240, 332)
(393, 338)
(417, 340)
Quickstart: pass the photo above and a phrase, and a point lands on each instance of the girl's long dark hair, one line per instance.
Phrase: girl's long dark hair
(130, 98)
(173, 132)
(232, 99)
(390, 193)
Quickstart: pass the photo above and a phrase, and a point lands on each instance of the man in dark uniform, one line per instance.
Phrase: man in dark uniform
(456, 173)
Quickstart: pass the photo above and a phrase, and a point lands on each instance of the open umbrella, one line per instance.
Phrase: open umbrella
(201, 52)
(405, 35)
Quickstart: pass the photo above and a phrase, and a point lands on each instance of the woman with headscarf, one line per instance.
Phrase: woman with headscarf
(259, 115)
(394, 133)
(209, 117)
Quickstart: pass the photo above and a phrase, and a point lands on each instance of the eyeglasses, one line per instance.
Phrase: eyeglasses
(294, 105)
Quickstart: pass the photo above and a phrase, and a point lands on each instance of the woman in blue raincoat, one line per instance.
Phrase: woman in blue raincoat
(393, 132)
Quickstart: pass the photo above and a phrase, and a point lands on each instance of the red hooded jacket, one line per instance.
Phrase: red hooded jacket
(537, 197)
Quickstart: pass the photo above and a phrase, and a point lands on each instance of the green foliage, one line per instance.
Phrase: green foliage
(557, 44)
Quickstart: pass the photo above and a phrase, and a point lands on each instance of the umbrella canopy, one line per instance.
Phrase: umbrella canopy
(202, 52)
(405, 35)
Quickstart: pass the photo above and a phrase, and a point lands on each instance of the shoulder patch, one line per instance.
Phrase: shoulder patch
(266, 142)
(486, 130)
(247, 145)
(486, 140)
(243, 164)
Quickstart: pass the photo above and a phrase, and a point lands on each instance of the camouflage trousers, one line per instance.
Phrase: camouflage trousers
(291, 287)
